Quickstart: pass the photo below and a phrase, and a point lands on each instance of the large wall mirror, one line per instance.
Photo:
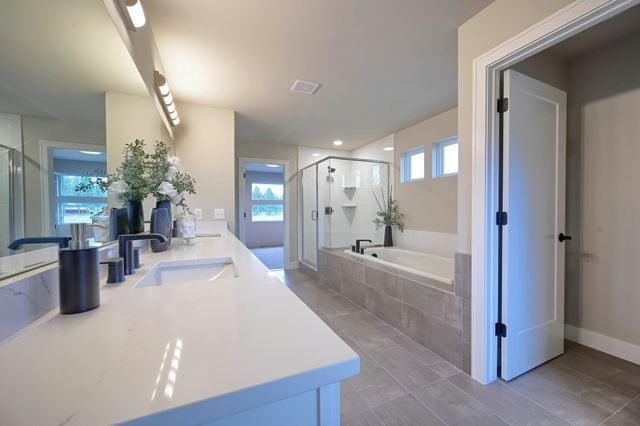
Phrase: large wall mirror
(58, 61)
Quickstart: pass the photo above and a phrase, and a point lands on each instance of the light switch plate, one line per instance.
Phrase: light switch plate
(198, 213)
(218, 213)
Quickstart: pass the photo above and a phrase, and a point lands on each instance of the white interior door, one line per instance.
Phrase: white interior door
(534, 154)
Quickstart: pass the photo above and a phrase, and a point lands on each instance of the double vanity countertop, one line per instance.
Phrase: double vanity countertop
(178, 353)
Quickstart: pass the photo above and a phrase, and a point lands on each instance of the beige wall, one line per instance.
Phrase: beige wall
(494, 25)
(603, 148)
(128, 118)
(205, 142)
(35, 130)
(430, 204)
(278, 152)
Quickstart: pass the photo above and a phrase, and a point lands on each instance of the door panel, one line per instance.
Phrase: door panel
(534, 154)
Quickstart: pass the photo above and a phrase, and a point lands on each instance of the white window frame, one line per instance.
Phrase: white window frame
(437, 157)
(405, 164)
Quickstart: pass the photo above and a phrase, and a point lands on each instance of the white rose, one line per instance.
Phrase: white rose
(118, 187)
(174, 161)
(166, 188)
(171, 173)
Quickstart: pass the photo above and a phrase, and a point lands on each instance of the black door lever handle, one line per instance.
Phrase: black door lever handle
(564, 238)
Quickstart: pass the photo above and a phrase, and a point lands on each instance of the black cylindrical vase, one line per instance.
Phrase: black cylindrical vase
(160, 224)
(388, 236)
(79, 280)
(136, 217)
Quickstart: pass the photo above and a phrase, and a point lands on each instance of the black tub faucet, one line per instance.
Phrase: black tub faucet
(125, 248)
(63, 242)
(358, 245)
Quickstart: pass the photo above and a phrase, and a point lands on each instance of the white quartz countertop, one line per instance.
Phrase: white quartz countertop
(189, 352)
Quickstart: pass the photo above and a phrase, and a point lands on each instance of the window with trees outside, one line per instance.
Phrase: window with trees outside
(74, 206)
(267, 202)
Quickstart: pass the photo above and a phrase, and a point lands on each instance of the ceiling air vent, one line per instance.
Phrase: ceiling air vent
(305, 87)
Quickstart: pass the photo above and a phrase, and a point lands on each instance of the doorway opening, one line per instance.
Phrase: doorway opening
(583, 35)
(263, 216)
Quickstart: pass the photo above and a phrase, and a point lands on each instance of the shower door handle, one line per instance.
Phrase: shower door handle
(314, 215)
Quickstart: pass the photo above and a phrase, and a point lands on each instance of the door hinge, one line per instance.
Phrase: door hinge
(501, 218)
(244, 214)
(244, 175)
(503, 105)
(501, 329)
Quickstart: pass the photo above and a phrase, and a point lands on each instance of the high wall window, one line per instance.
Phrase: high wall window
(445, 158)
(267, 202)
(412, 165)
(75, 206)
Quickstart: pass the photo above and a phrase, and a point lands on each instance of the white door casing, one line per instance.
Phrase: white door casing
(534, 182)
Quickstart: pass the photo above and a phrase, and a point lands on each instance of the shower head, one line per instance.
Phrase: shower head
(331, 169)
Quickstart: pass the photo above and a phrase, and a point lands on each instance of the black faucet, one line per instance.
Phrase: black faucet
(125, 248)
(63, 242)
(358, 245)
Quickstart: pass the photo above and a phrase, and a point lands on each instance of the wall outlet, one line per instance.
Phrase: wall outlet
(198, 213)
(218, 213)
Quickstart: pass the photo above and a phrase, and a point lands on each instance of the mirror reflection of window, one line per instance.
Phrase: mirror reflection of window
(73, 206)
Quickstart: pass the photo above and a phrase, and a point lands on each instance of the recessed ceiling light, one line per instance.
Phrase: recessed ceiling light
(91, 152)
(387, 148)
(176, 121)
(168, 99)
(305, 87)
(173, 115)
(315, 154)
(171, 107)
(136, 13)
(337, 143)
(273, 165)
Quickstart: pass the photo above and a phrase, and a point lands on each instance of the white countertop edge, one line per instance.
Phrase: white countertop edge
(222, 406)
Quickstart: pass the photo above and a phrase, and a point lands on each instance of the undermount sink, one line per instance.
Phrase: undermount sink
(186, 271)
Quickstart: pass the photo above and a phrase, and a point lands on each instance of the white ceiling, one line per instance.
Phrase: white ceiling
(77, 155)
(383, 64)
(263, 168)
(58, 57)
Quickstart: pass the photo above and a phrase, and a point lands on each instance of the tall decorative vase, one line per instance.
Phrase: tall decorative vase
(160, 224)
(136, 217)
(388, 236)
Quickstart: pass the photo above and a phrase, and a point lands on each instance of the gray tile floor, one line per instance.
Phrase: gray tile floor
(403, 383)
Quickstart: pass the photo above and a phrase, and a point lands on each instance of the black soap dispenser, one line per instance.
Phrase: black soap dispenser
(79, 274)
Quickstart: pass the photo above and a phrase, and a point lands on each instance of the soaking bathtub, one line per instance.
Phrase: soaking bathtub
(436, 270)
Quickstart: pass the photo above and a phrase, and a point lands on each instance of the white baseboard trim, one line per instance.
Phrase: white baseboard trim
(606, 344)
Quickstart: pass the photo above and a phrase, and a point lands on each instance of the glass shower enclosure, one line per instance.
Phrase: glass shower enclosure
(339, 199)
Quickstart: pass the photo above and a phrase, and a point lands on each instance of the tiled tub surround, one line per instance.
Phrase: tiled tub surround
(439, 319)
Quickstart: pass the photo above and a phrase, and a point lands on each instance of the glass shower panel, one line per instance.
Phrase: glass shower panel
(309, 186)
(5, 214)
(339, 203)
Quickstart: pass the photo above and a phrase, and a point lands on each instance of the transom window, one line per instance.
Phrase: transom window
(445, 158)
(412, 165)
